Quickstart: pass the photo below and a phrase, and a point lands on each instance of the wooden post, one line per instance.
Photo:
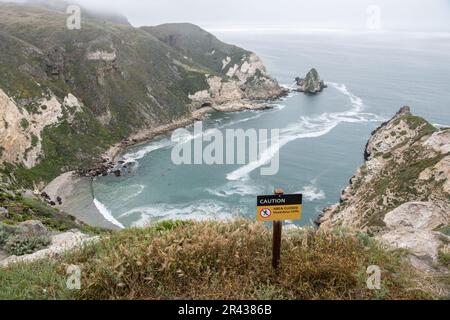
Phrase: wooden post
(276, 243)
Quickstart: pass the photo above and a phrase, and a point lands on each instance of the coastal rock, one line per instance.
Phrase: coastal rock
(33, 228)
(118, 173)
(401, 193)
(311, 84)
(412, 226)
(247, 80)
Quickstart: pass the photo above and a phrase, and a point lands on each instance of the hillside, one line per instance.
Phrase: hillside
(401, 194)
(67, 96)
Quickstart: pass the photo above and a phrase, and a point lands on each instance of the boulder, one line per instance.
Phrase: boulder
(412, 226)
(33, 228)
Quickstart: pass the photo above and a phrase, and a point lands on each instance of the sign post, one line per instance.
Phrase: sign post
(277, 208)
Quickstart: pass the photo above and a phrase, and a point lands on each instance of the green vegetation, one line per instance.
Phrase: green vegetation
(217, 260)
(3, 237)
(22, 209)
(34, 140)
(445, 230)
(23, 244)
(24, 123)
(415, 122)
(202, 47)
(444, 258)
(28, 281)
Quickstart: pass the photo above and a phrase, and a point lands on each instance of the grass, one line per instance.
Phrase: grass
(217, 260)
(444, 258)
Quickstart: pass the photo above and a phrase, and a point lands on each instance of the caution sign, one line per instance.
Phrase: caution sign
(279, 207)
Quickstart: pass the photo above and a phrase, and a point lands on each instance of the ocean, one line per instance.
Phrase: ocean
(322, 137)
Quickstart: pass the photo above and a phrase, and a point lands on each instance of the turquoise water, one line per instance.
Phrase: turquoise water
(322, 137)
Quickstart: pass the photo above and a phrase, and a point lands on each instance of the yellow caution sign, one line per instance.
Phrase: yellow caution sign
(279, 207)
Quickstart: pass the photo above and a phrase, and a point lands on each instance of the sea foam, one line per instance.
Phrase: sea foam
(309, 127)
(107, 214)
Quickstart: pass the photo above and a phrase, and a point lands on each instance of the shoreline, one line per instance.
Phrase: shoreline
(75, 187)
(108, 159)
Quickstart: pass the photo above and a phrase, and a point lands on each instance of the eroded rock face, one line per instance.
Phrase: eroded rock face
(412, 226)
(246, 81)
(402, 191)
(21, 130)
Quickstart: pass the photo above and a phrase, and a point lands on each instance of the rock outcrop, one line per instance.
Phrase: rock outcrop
(245, 82)
(311, 84)
(21, 128)
(401, 193)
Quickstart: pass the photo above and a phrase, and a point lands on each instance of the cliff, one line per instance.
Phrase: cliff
(401, 194)
(67, 96)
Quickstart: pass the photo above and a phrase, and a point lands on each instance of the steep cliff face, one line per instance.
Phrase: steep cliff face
(68, 95)
(401, 193)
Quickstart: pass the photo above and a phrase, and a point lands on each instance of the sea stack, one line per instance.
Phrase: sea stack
(311, 84)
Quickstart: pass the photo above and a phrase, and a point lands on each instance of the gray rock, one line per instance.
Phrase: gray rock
(412, 226)
(28, 194)
(7, 228)
(33, 227)
(4, 212)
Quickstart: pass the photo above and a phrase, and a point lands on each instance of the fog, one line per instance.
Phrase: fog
(412, 15)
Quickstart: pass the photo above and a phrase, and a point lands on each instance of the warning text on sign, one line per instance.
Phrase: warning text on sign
(279, 207)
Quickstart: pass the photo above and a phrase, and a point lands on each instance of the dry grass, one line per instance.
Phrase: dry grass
(216, 260)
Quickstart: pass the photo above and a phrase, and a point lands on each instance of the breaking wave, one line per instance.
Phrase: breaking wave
(309, 127)
(107, 214)
(241, 188)
(132, 157)
(200, 211)
(312, 192)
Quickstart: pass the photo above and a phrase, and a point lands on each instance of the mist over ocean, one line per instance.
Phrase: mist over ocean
(322, 140)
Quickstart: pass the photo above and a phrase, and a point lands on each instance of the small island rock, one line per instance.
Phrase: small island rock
(311, 84)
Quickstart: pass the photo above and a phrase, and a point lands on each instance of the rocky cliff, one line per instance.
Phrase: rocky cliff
(401, 194)
(66, 96)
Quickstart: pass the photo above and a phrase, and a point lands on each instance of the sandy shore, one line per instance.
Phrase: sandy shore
(77, 199)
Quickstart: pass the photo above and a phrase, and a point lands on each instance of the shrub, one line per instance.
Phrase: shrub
(24, 124)
(20, 245)
(444, 257)
(3, 237)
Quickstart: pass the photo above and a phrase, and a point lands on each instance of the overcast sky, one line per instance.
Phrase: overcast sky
(415, 15)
